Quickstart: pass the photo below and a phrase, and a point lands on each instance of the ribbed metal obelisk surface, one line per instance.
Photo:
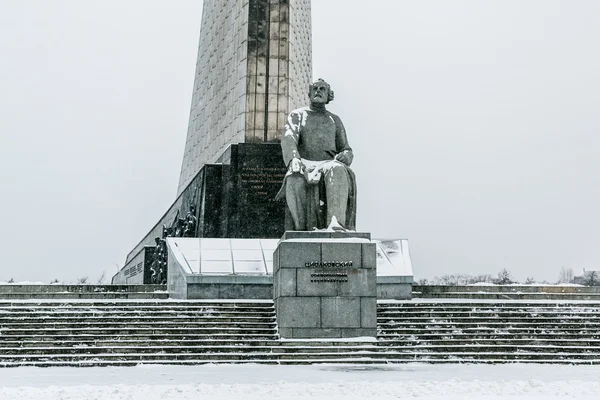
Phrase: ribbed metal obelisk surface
(254, 66)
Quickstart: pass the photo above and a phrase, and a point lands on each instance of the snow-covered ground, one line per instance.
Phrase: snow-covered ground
(331, 382)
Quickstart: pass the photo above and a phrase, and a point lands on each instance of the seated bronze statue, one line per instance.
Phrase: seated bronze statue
(319, 187)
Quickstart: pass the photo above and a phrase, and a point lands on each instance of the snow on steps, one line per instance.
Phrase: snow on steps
(61, 291)
(493, 331)
(126, 332)
(507, 292)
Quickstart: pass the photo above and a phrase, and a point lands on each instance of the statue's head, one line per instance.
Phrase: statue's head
(320, 92)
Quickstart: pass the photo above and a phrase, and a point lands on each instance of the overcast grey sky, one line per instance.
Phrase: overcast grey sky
(475, 126)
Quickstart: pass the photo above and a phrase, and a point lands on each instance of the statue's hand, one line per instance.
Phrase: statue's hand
(343, 158)
(296, 166)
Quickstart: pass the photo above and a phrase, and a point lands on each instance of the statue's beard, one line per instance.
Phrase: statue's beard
(317, 105)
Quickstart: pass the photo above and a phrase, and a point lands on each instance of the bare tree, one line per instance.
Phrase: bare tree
(82, 281)
(101, 278)
(461, 279)
(504, 277)
(485, 278)
(566, 275)
(591, 278)
(447, 280)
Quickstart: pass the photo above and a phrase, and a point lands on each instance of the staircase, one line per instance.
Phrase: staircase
(491, 332)
(127, 332)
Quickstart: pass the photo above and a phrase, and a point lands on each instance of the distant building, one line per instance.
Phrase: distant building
(588, 278)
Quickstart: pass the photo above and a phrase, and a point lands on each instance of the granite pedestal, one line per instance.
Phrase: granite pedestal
(325, 285)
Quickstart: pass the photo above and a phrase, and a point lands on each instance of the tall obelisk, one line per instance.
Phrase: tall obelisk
(253, 67)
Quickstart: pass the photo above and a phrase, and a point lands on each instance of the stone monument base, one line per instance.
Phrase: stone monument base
(229, 268)
(325, 285)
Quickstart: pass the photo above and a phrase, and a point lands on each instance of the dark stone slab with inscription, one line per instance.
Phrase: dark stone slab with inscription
(325, 285)
(138, 271)
(252, 176)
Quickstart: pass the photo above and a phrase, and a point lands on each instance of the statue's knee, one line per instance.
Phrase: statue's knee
(337, 171)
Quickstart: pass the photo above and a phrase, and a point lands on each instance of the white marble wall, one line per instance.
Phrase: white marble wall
(218, 100)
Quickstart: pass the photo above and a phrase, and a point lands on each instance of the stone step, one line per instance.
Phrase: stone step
(454, 314)
(88, 322)
(506, 289)
(333, 361)
(125, 330)
(34, 315)
(207, 343)
(363, 349)
(491, 312)
(405, 342)
(449, 331)
(135, 314)
(475, 319)
(176, 350)
(141, 317)
(61, 288)
(8, 329)
(489, 335)
(359, 361)
(504, 333)
(488, 325)
(591, 323)
(239, 335)
(508, 295)
(480, 320)
(491, 324)
(498, 348)
(425, 356)
(137, 306)
(409, 312)
(503, 305)
(488, 314)
(564, 313)
(140, 357)
(103, 321)
(388, 356)
(89, 312)
(86, 295)
(145, 316)
(115, 342)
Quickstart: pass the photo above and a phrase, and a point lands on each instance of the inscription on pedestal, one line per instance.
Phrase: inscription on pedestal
(329, 277)
(329, 264)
